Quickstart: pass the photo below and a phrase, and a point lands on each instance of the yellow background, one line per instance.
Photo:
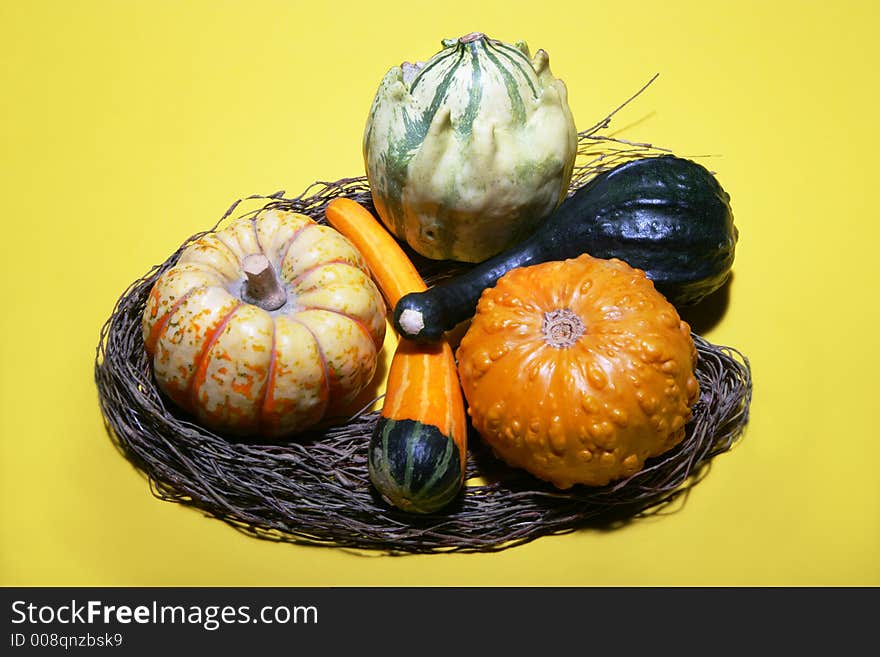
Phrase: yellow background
(127, 126)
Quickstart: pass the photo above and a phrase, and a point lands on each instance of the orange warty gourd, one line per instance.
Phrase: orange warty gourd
(266, 326)
(578, 371)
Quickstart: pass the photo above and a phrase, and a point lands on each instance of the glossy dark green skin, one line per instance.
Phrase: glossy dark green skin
(665, 215)
(413, 465)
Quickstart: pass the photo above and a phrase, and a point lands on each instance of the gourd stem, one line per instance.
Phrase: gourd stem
(261, 286)
(473, 36)
(411, 322)
(562, 328)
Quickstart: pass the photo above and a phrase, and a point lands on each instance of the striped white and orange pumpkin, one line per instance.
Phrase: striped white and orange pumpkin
(244, 369)
(466, 153)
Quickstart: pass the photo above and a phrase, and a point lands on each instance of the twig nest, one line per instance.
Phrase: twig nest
(266, 326)
(314, 489)
(578, 371)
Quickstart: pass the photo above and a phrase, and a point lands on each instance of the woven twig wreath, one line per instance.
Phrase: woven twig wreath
(315, 488)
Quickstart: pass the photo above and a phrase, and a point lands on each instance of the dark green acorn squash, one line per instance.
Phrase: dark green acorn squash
(665, 215)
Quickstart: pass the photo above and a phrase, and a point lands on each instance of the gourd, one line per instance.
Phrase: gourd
(467, 152)
(578, 371)
(417, 450)
(265, 327)
(665, 215)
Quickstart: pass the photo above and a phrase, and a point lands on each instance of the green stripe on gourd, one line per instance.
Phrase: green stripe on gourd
(475, 93)
(471, 152)
(517, 107)
(441, 58)
(518, 58)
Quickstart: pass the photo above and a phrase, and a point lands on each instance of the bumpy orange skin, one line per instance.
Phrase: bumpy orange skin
(590, 412)
(244, 370)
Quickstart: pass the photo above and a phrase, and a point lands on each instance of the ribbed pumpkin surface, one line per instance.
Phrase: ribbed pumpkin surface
(243, 369)
(578, 371)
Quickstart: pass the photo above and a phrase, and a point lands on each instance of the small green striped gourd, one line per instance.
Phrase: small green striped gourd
(414, 465)
(466, 153)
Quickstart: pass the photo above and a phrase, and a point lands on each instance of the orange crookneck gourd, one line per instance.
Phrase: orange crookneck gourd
(578, 371)
(266, 326)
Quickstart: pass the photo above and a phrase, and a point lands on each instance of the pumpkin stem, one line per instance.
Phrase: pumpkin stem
(261, 286)
(561, 328)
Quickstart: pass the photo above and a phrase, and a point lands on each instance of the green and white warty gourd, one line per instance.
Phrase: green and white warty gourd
(466, 153)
